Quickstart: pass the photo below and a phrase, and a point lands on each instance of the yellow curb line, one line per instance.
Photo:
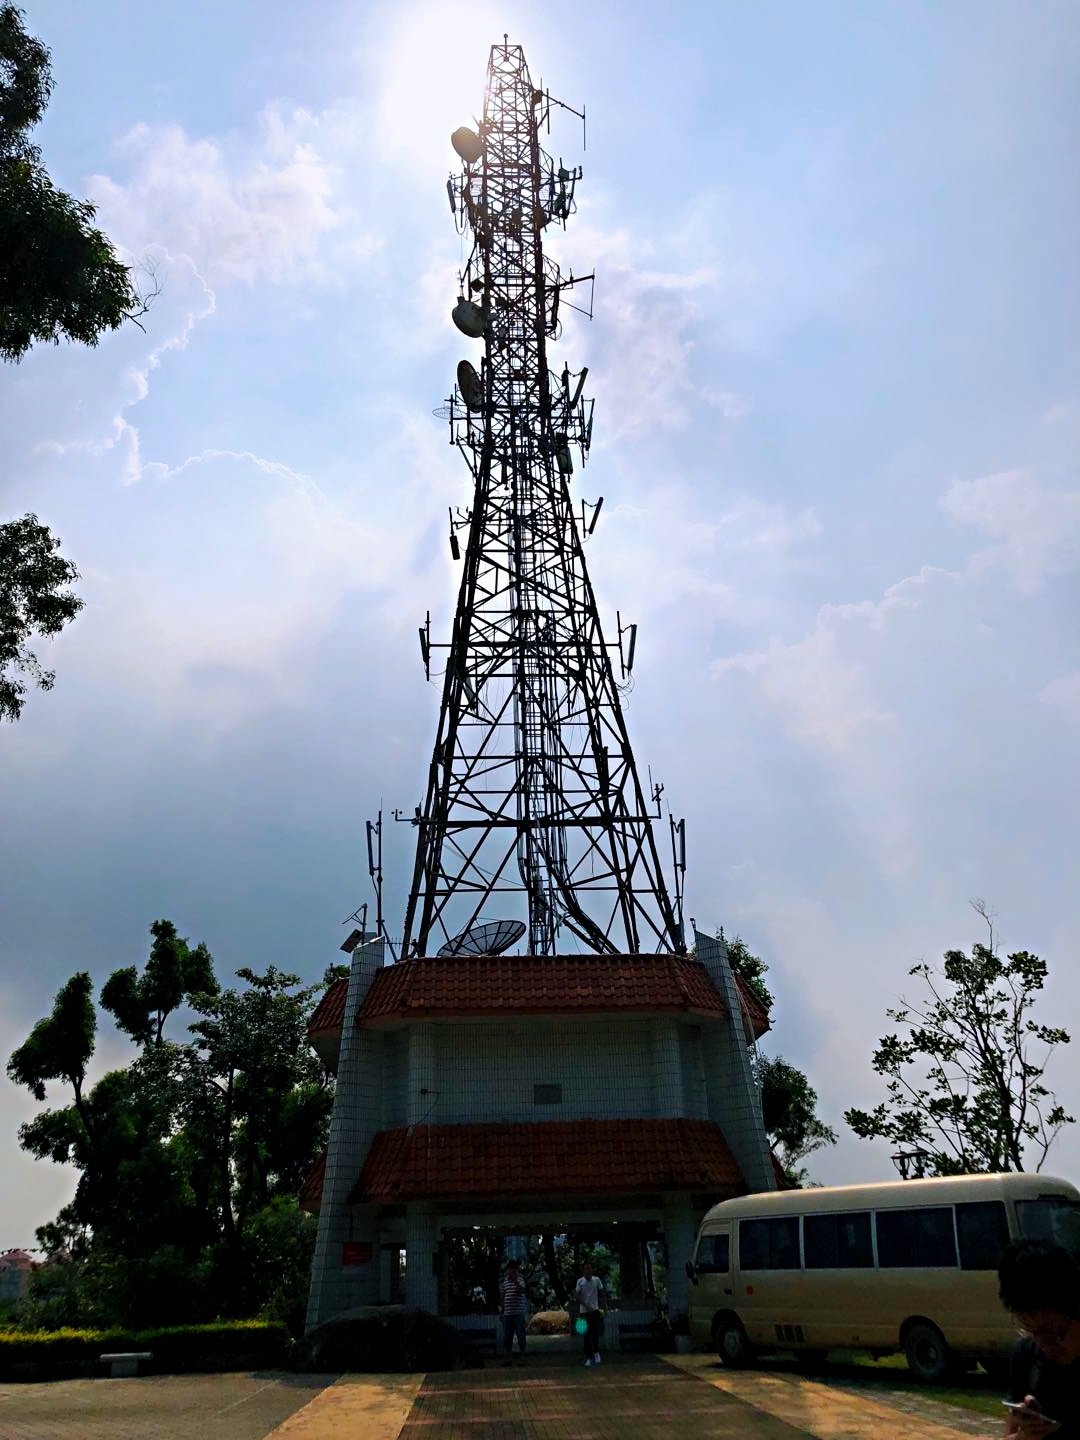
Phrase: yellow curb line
(373, 1407)
(820, 1410)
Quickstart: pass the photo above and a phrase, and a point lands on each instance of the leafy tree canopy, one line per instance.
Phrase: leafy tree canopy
(963, 1078)
(141, 1004)
(59, 276)
(60, 1046)
(789, 1110)
(34, 600)
(189, 1158)
(749, 968)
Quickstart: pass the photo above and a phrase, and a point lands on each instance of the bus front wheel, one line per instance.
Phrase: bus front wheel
(929, 1358)
(732, 1346)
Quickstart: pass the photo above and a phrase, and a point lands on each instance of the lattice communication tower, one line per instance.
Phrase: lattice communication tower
(532, 790)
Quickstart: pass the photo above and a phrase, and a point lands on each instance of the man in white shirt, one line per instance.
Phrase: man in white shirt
(589, 1290)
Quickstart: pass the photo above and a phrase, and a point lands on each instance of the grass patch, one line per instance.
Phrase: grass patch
(977, 1393)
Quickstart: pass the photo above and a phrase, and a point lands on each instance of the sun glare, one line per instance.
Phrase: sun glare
(432, 79)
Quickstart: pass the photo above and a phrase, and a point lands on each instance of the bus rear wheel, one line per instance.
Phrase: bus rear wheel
(732, 1346)
(929, 1358)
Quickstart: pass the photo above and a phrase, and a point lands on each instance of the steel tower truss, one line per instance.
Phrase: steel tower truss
(532, 788)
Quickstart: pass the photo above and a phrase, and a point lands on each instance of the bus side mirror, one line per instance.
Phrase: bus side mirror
(691, 1273)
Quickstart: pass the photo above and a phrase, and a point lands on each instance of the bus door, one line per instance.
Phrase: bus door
(712, 1269)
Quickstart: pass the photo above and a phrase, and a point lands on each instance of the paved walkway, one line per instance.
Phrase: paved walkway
(633, 1398)
(159, 1407)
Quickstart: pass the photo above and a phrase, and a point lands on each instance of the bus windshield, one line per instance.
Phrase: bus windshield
(1051, 1217)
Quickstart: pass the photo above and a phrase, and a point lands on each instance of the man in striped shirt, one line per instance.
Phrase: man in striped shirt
(513, 1311)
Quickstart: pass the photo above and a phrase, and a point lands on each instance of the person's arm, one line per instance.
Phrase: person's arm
(1028, 1422)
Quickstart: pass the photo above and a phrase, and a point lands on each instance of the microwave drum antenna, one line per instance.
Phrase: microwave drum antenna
(471, 386)
(467, 144)
(469, 318)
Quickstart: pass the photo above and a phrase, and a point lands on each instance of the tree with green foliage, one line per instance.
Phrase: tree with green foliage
(60, 1046)
(175, 972)
(34, 600)
(749, 968)
(59, 275)
(789, 1110)
(964, 1083)
(190, 1158)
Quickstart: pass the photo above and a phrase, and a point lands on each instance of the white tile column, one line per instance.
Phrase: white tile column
(336, 1286)
(680, 1232)
(733, 1095)
(422, 1097)
(421, 1278)
(667, 1069)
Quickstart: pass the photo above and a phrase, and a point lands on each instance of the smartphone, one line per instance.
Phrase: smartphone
(1019, 1405)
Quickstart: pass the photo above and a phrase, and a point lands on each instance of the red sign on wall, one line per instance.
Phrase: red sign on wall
(357, 1252)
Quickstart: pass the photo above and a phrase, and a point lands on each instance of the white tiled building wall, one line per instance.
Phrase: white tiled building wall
(487, 1072)
(446, 1074)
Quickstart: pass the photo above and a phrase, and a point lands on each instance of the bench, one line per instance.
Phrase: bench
(637, 1334)
(125, 1364)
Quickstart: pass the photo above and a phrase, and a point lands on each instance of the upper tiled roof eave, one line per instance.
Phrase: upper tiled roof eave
(475, 986)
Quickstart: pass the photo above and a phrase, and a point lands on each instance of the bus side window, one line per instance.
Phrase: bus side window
(983, 1231)
(714, 1255)
(769, 1244)
(916, 1239)
(838, 1242)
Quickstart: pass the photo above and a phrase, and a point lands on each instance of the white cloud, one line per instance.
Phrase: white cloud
(1063, 694)
(270, 208)
(685, 560)
(641, 352)
(90, 399)
(1036, 531)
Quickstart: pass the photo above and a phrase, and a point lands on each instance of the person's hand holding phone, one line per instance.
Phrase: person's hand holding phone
(1025, 1420)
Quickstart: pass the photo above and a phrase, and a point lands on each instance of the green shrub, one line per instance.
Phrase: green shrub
(224, 1345)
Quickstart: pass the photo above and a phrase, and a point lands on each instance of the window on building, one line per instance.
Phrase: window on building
(547, 1094)
(838, 1242)
(910, 1239)
(769, 1244)
(982, 1229)
(714, 1255)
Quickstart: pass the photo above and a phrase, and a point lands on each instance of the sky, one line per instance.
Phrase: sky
(837, 386)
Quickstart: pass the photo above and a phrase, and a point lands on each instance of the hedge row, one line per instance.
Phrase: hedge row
(225, 1345)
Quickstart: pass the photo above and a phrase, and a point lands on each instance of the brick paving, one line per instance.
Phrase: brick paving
(641, 1400)
(550, 1397)
(157, 1407)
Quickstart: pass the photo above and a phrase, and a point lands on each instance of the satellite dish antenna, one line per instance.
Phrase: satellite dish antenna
(471, 386)
(491, 938)
(468, 144)
(469, 318)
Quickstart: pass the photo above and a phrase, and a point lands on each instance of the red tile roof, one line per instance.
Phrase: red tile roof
(758, 1015)
(563, 1157)
(489, 984)
(310, 1196)
(329, 1014)
(474, 985)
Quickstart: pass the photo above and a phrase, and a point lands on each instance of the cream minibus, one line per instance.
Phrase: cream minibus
(907, 1266)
